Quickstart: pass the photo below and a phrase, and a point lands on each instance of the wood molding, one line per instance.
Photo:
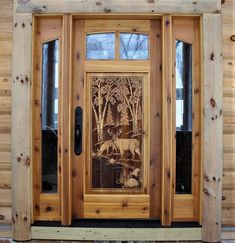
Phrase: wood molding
(128, 234)
(166, 205)
(21, 127)
(119, 6)
(213, 129)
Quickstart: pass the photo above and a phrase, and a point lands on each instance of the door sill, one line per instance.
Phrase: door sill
(116, 223)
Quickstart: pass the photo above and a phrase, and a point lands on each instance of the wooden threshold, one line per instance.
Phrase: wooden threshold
(124, 234)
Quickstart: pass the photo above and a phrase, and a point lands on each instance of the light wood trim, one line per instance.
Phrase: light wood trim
(102, 25)
(117, 65)
(114, 234)
(155, 118)
(21, 124)
(213, 129)
(78, 168)
(166, 200)
(65, 116)
(118, 6)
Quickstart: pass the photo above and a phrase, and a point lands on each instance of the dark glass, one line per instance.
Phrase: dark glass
(117, 130)
(134, 46)
(49, 115)
(183, 117)
(100, 46)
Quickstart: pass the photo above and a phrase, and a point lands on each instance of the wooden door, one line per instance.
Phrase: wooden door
(117, 84)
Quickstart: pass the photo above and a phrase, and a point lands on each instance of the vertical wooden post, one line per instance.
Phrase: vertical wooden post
(167, 122)
(213, 128)
(66, 147)
(21, 127)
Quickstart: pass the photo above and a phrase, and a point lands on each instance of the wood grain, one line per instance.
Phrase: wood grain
(166, 200)
(119, 6)
(21, 123)
(213, 129)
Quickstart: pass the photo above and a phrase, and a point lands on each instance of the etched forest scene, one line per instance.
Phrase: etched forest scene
(116, 131)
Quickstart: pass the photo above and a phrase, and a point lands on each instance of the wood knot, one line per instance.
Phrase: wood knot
(207, 178)
(212, 56)
(232, 37)
(223, 198)
(98, 3)
(196, 91)
(18, 159)
(107, 10)
(197, 134)
(194, 3)
(222, 1)
(213, 103)
(124, 204)
(25, 218)
(15, 25)
(27, 161)
(2, 217)
(74, 173)
(168, 99)
(206, 191)
(150, 1)
(48, 208)
(167, 22)
(97, 211)
(23, 25)
(168, 174)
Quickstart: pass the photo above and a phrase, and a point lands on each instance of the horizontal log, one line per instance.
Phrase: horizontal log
(118, 6)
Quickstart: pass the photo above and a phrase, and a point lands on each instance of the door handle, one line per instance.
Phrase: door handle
(78, 131)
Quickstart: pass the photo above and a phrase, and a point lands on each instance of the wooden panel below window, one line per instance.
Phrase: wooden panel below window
(116, 206)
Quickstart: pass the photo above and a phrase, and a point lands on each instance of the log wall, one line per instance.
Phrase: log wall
(228, 29)
(6, 19)
(228, 197)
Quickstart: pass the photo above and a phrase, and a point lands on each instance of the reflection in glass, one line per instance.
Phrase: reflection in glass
(183, 117)
(49, 115)
(100, 46)
(133, 46)
(117, 130)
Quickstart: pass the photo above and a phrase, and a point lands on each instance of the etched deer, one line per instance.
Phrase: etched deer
(106, 147)
(125, 144)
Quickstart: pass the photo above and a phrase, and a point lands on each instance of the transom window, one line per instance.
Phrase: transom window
(130, 46)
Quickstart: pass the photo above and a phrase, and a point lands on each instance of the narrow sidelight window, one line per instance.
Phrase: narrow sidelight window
(49, 115)
(183, 117)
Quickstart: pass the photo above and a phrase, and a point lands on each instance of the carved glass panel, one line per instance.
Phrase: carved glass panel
(183, 117)
(100, 46)
(116, 131)
(49, 114)
(134, 46)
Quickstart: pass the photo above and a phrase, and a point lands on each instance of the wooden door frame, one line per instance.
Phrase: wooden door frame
(212, 101)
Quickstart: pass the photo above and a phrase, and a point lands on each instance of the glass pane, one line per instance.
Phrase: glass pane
(183, 117)
(116, 132)
(134, 46)
(49, 115)
(100, 46)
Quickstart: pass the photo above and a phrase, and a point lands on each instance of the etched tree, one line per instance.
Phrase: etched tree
(109, 117)
(103, 89)
(129, 94)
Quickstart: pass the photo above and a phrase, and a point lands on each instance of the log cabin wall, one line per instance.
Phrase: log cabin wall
(228, 29)
(6, 26)
(6, 22)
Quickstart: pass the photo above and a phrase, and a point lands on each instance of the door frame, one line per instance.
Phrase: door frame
(21, 91)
